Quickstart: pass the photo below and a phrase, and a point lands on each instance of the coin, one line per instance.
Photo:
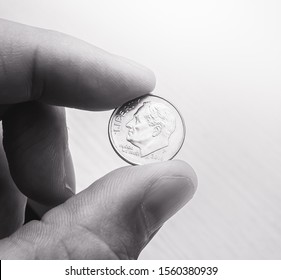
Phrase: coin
(145, 130)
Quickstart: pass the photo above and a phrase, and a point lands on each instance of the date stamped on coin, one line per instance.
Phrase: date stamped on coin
(145, 130)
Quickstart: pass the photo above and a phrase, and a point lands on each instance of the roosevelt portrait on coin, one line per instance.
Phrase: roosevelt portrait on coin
(151, 127)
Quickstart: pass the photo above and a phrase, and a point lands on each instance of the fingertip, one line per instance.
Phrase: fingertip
(125, 80)
(184, 169)
(134, 182)
(88, 77)
(160, 190)
(144, 76)
(171, 168)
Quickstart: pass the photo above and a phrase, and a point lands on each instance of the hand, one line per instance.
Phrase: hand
(118, 214)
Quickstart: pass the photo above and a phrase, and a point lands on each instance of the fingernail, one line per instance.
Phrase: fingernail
(164, 198)
(69, 173)
(69, 189)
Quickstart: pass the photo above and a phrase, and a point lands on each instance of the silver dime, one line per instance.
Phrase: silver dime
(145, 130)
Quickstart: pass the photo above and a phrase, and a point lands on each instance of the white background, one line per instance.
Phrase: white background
(219, 62)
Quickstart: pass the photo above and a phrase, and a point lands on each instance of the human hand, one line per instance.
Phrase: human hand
(119, 213)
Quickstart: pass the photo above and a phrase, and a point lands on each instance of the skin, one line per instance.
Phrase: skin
(117, 215)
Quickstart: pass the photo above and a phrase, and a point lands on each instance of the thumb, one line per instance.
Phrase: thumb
(116, 216)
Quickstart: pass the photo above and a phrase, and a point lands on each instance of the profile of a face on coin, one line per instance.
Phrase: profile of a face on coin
(146, 129)
(151, 127)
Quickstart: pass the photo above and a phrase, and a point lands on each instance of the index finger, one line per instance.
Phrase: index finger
(44, 65)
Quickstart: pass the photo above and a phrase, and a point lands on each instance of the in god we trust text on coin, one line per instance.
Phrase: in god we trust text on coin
(145, 130)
